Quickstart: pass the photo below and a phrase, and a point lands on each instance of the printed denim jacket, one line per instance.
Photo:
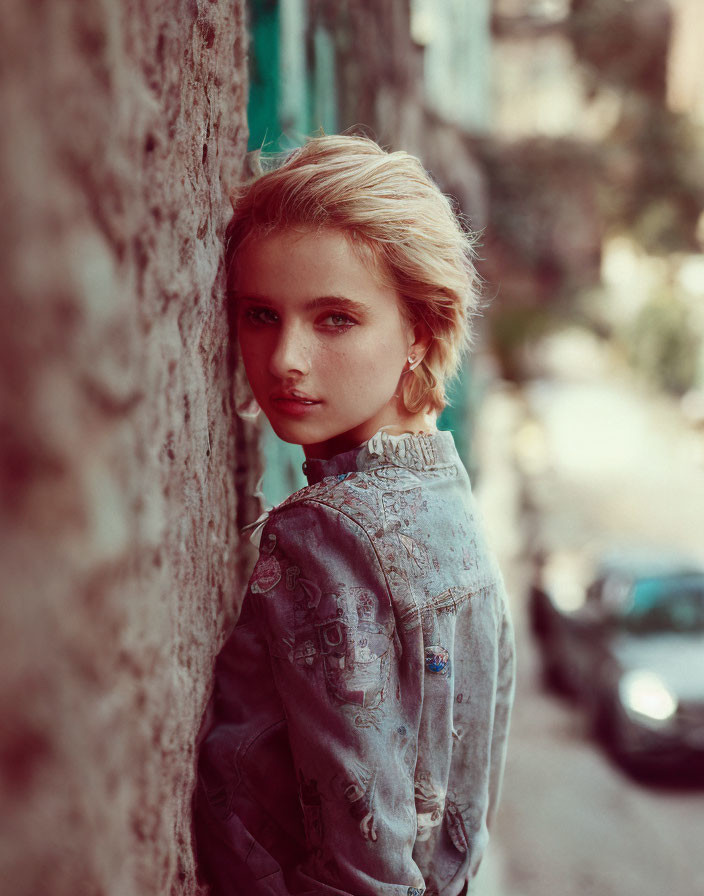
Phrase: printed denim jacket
(362, 702)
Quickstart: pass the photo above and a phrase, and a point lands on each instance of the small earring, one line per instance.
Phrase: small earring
(413, 363)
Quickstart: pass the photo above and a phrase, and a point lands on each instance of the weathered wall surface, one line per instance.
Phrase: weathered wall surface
(121, 457)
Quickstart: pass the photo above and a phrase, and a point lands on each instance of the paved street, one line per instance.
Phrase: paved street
(600, 459)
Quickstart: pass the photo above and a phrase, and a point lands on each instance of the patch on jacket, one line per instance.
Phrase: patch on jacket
(437, 659)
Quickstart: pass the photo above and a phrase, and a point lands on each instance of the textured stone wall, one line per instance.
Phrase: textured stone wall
(121, 457)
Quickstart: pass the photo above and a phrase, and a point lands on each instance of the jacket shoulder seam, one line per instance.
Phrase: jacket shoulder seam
(317, 500)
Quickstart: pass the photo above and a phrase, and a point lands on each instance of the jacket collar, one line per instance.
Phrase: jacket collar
(414, 451)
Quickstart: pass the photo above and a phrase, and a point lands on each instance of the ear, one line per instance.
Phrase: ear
(420, 340)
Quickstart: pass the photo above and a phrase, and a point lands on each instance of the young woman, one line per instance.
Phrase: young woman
(361, 705)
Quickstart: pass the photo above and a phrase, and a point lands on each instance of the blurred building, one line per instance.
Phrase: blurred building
(685, 87)
(595, 167)
(455, 37)
(537, 86)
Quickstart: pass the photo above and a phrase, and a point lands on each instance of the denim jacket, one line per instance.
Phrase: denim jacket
(362, 702)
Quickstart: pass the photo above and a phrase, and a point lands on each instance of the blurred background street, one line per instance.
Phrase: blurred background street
(584, 453)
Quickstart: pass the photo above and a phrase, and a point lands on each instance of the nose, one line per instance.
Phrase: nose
(291, 352)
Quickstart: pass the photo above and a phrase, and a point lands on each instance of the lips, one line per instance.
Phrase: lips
(293, 395)
(294, 403)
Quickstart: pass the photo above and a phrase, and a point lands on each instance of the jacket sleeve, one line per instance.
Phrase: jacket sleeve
(325, 609)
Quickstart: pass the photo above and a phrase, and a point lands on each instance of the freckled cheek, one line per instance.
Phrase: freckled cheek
(385, 355)
(343, 357)
(362, 369)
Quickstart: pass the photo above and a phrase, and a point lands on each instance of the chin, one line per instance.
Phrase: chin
(289, 437)
(295, 434)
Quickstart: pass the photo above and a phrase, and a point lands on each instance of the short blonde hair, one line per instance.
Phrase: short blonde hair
(387, 202)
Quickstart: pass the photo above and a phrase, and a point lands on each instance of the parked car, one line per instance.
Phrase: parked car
(627, 643)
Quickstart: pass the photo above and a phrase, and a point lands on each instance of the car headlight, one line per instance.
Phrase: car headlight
(645, 696)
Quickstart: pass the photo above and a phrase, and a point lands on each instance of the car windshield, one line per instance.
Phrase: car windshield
(673, 604)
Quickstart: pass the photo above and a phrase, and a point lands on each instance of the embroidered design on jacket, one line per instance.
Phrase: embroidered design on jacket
(403, 506)
(267, 572)
(355, 650)
(358, 654)
(417, 553)
(357, 785)
(430, 805)
(455, 824)
(292, 574)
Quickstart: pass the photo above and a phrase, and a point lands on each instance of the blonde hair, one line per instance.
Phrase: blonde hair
(387, 202)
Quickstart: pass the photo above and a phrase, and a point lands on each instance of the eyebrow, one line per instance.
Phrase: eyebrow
(340, 302)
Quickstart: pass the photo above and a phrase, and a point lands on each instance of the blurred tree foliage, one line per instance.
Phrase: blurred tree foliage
(553, 201)
(545, 223)
(652, 160)
(662, 201)
(624, 44)
(513, 329)
(663, 344)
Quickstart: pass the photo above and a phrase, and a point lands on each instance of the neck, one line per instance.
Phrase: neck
(422, 421)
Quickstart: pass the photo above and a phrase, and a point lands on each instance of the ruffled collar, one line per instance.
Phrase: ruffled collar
(415, 451)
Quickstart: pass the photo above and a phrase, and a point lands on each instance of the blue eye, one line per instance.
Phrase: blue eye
(338, 321)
